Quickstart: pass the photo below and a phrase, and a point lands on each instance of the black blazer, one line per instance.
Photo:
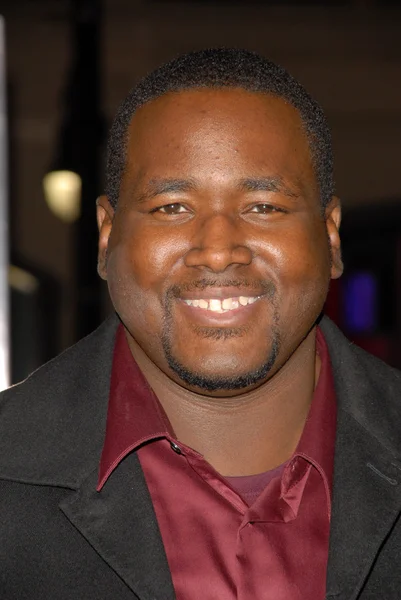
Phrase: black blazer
(61, 540)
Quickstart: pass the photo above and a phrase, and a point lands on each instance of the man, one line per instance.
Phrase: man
(218, 440)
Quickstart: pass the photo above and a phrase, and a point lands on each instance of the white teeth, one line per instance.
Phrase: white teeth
(215, 305)
(222, 306)
(227, 303)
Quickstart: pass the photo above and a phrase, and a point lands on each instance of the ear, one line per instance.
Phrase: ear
(104, 215)
(333, 220)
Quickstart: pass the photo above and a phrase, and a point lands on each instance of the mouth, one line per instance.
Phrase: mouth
(232, 305)
(228, 311)
(221, 305)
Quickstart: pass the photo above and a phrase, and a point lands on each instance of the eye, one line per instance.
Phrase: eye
(170, 209)
(265, 208)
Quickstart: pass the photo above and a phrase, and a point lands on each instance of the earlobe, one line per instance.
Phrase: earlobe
(333, 221)
(104, 215)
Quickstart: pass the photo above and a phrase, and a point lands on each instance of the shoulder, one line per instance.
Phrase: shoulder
(349, 360)
(58, 412)
(367, 389)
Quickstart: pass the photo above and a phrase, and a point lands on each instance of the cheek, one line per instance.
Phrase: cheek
(122, 283)
(127, 278)
(304, 268)
(314, 278)
(136, 305)
(139, 269)
(148, 253)
(310, 256)
(133, 262)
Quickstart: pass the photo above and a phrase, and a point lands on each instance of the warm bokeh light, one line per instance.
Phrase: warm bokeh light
(63, 194)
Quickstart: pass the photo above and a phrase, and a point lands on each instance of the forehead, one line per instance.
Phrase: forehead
(219, 128)
(223, 104)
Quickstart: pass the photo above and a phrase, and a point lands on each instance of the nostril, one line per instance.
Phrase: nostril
(218, 259)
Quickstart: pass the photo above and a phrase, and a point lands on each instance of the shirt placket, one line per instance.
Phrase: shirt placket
(265, 570)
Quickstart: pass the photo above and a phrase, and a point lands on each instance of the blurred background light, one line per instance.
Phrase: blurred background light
(21, 280)
(361, 302)
(62, 191)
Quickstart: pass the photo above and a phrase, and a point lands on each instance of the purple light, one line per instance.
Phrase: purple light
(360, 302)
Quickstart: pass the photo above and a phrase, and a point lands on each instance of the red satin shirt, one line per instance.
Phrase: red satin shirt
(218, 547)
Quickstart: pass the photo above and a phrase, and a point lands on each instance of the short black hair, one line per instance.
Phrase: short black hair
(222, 68)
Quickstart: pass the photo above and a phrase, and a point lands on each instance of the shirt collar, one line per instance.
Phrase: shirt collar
(317, 441)
(135, 416)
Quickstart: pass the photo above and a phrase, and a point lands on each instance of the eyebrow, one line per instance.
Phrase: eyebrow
(267, 184)
(156, 187)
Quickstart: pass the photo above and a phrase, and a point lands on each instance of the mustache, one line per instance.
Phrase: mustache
(259, 286)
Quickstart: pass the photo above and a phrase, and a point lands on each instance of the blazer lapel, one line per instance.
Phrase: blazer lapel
(366, 503)
(119, 522)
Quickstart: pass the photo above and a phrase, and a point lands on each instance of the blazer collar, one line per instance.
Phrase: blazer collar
(120, 523)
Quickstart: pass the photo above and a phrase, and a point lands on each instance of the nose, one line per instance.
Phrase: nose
(218, 244)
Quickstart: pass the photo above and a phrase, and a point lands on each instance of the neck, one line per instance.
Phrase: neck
(245, 434)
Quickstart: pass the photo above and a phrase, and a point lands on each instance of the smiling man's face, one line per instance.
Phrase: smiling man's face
(218, 255)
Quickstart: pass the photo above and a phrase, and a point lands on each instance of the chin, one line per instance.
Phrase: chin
(209, 382)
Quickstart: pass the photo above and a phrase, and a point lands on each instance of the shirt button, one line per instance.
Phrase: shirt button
(176, 448)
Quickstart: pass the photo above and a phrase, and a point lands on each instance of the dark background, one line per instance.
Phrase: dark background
(69, 65)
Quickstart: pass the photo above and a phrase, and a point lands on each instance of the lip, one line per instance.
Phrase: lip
(236, 317)
(221, 293)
